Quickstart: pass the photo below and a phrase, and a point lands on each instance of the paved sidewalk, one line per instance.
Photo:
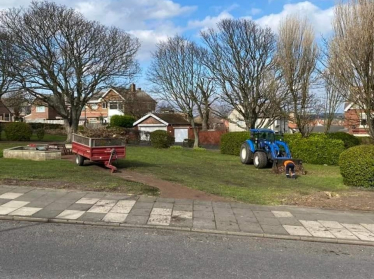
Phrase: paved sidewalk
(99, 208)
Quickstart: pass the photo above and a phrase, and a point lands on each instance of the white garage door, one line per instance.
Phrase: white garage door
(149, 129)
(180, 134)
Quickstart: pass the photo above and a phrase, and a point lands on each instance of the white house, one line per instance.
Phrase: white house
(237, 124)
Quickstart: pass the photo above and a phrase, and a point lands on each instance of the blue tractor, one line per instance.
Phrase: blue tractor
(263, 150)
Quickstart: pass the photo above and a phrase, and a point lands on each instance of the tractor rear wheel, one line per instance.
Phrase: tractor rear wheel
(260, 160)
(79, 160)
(246, 155)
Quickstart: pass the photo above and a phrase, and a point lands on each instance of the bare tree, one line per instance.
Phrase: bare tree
(296, 59)
(18, 102)
(63, 59)
(352, 54)
(6, 57)
(178, 77)
(333, 98)
(240, 60)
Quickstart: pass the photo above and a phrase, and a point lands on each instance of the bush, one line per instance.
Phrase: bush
(125, 121)
(188, 142)
(366, 140)
(317, 149)
(199, 149)
(161, 139)
(46, 126)
(348, 139)
(40, 133)
(231, 142)
(1, 128)
(357, 166)
(18, 131)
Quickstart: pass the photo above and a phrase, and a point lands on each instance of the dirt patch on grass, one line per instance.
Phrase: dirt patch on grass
(347, 200)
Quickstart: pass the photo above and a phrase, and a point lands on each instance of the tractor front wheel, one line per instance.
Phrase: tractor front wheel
(260, 160)
(79, 160)
(246, 155)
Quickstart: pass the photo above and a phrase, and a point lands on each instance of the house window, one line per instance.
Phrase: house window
(104, 105)
(120, 106)
(113, 105)
(40, 109)
(363, 120)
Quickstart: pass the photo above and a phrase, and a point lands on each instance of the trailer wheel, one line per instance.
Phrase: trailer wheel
(260, 160)
(79, 160)
(246, 155)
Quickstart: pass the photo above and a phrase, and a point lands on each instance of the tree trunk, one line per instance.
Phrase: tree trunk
(195, 132)
(204, 121)
(71, 126)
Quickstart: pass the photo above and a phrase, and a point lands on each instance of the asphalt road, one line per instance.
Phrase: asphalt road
(39, 250)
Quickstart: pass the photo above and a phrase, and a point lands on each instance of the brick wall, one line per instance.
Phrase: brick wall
(210, 137)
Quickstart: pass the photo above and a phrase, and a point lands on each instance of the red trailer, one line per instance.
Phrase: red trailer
(104, 150)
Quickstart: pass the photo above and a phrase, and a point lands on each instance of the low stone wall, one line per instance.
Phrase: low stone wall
(21, 152)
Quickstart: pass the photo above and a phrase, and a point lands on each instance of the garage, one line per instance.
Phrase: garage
(175, 124)
(180, 134)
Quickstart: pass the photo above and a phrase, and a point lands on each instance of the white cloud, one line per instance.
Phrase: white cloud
(208, 21)
(255, 11)
(320, 19)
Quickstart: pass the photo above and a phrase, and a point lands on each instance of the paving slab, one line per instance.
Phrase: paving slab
(137, 219)
(94, 217)
(181, 222)
(250, 227)
(183, 207)
(46, 213)
(202, 207)
(147, 199)
(274, 229)
(227, 226)
(167, 205)
(141, 211)
(203, 214)
(143, 205)
(203, 224)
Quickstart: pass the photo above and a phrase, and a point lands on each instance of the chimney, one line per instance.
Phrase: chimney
(133, 87)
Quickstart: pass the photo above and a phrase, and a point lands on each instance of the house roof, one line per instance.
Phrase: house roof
(347, 106)
(333, 129)
(165, 118)
(123, 93)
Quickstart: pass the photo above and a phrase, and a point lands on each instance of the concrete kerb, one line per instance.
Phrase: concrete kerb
(242, 234)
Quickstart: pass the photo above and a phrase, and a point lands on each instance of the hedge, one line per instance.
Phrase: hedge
(348, 139)
(366, 140)
(317, 149)
(125, 121)
(161, 139)
(231, 142)
(1, 128)
(19, 131)
(46, 126)
(357, 166)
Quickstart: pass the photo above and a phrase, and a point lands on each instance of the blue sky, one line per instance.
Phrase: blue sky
(155, 20)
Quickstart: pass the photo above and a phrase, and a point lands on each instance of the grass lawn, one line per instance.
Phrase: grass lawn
(66, 171)
(224, 175)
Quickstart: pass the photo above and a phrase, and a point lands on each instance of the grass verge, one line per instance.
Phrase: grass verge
(65, 174)
(224, 175)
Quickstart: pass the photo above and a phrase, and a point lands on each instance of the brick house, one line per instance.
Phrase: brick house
(41, 111)
(355, 120)
(103, 105)
(174, 123)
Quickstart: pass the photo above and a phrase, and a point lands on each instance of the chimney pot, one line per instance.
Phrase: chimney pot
(133, 87)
